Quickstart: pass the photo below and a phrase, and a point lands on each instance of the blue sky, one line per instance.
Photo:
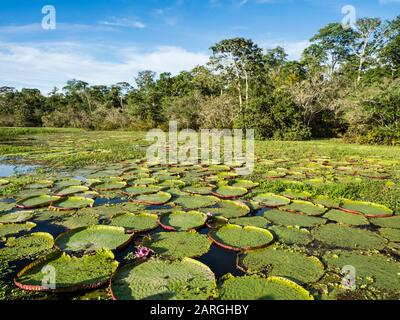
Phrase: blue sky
(104, 42)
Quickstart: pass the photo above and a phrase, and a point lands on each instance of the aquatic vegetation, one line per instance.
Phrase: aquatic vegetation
(271, 200)
(183, 221)
(292, 219)
(228, 209)
(305, 207)
(71, 190)
(256, 221)
(36, 202)
(178, 245)
(158, 198)
(156, 279)
(196, 201)
(227, 192)
(204, 191)
(15, 228)
(141, 190)
(246, 184)
(391, 222)
(77, 219)
(293, 265)
(5, 206)
(16, 217)
(134, 223)
(392, 235)
(257, 288)
(291, 235)
(346, 218)
(370, 210)
(72, 203)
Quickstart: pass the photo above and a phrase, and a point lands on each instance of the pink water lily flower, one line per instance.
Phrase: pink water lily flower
(143, 252)
(209, 214)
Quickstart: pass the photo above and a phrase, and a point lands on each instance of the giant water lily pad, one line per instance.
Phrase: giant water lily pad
(4, 182)
(178, 245)
(31, 193)
(384, 271)
(156, 279)
(25, 247)
(159, 198)
(345, 218)
(16, 217)
(257, 288)
(6, 206)
(73, 203)
(173, 183)
(111, 185)
(292, 219)
(198, 190)
(67, 183)
(71, 190)
(143, 182)
(236, 238)
(391, 222)
(227, 192)
(341, 236)
(246, 184)
(296, 266)
(327, 202)
(135, 222)
(392, 235)
(35, 202)
(305, 207)
(15, 228)
(39, 185)
(141, 190)
(78, 219)
(71, 273)
(256, 221)
(292, 194)
(229, 209)
(271, 200)
(370, 210)
(183, 221)
(93, 238)
(196, 201)
(291, 235)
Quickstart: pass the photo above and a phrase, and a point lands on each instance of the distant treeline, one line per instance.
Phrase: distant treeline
(346, 84)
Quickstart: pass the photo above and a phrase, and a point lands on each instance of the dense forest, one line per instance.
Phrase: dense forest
(346, 84)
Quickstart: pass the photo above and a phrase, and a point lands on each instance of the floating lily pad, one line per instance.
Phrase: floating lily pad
(71, 273)
(31, 193)
(392, 235)
(173, 183)
(159, 198)
(5, 206)
(229, 209)
(236, 238)
(256, 288)
(93, 238)
(156, 279)
(178, 245)
(198, 190)
(345, 218)
(293, 219)
(370, 210)
(71, 190)
(383, 271)
(226, 192)
(37, 202)
(40, 185)
(135, 222)
(73, 203)
(257, 221)
(246, 184)
(15, 228)
(78, 219)
(392, 222)
(327, 202)
(141, 190)
(4, 182)
(26, 247)
(111, 185)
(67, 183)
(196, 201)
(291, 235)
(293, 265)
(17, 217)
(183, 221)
(143, 182)
(341, 236)
(296, 195)
(271, 200)
(305, 207)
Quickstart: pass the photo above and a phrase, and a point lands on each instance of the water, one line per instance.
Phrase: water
(8, 170)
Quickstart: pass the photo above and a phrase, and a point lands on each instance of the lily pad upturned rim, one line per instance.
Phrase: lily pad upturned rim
(215, 192)
(50, 201)
(51, 256)
(53, 206)
(269, 205)
(172, 228)
(154, 203)
(342, 207)
(60, 193)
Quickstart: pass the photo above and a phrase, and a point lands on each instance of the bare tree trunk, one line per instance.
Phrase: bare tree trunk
(247, 87)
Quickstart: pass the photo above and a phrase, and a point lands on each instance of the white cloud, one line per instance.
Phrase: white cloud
(46, 65)
(294, 49)
(124, 22)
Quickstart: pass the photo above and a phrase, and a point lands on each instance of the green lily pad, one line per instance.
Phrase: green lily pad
(71, 190)
(133, 223)
(173, 183)
(346, 218)
(392, 235)
(93, 238)
(178, 245)
(4, 182)
(17, 217)
(392, 222)
(196, 201)
(305, 207)
(291, 235)
(246, 184)
(40, 185)
(226, 192)
(143, 182)
(141, 190)
(156, 279)
(383, 271)
(291, 194)
(26, 247)
(71, 273)
(271, 200)
(229, 209)
(183, 221)
(37, 202)
(31, 193)
(5, 206)
(237, 238)
(341, 236)
(80, 218)
(73, 203)
(204, 191)
(370, 210)
(292, 219)
(257, 288)
(15, 228)
(111, 185)
(293, 265)
(258, 222)
(67, 183)
(327, 202)
(159, 198)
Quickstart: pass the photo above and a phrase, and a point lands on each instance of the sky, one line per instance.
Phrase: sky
(110, 41)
